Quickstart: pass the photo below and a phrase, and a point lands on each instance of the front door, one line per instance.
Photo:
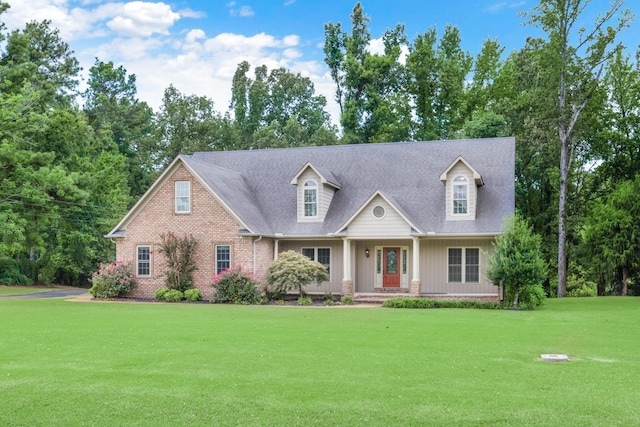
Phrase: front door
(391, 272)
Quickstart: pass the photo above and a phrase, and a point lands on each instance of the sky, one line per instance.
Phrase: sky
(196, 45)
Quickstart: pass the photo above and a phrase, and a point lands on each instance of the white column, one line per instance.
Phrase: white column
(416, 259)
(275, 249)
(346, 258)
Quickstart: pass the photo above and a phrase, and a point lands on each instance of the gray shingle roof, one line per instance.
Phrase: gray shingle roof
(256, 186)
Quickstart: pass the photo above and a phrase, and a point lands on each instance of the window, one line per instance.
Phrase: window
(310, 199)
(223, 258)
(464, 265)
(143, 261)
(183, 197)
(460, 186)
(322, 255)
(378, 212)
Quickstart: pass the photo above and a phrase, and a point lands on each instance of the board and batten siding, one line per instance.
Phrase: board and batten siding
(434, 266)
(334, 284)
(460, 169)
(367, 225)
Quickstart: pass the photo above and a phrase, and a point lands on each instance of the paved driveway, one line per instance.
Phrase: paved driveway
(50, 294)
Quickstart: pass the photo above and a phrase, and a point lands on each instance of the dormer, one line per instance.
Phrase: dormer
(314, 194)
(461, 182)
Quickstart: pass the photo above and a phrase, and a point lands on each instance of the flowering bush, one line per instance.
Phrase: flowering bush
(236, 287)
(112, 280)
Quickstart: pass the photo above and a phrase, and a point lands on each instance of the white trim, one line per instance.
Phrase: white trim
(463, 265)
(315, 188)
(138, 261)
(323, 180)
(476, 175)
(402, 256)
(465, 185)
(373, 212)
(215, 257)
(366, 203)
(175, 196)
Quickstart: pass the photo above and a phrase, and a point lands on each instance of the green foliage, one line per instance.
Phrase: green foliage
(10, 273)
(235, 286)
(401, 302)
(173, 295)
(346, 300)
(294, 271)
(160, 294)
(305, 300)
(193, 295)
(579, 286)
(518, 265)
(113, 280)
(180, 260)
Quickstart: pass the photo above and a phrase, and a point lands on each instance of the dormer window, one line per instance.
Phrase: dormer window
(460, 195)
(310, 199)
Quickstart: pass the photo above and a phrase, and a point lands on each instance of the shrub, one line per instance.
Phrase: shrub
(347, 300)
(193, 295)
(328, 302)
(236, 287)
(112, 280)
(579, 286)
(10, 273)
(160, 293)
(173, 295)
(306, 300)
(431, 303)
(293, 270)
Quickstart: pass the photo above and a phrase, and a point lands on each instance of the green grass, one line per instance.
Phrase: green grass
(112, 364)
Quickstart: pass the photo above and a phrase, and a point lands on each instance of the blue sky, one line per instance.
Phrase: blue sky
(196, 44)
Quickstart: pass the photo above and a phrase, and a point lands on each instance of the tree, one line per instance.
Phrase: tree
(577, 69)
(518, 265)
(611, 236)
(115, 114)
(294, 271)
(438, 74)
(180, 260)
(186, 124)
(370, 88)
(279, 109)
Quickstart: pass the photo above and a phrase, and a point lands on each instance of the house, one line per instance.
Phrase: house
(414, 218)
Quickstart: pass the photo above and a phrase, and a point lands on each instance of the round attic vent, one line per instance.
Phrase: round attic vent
(378, 212)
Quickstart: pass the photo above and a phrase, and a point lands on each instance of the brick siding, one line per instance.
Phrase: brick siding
(208, 222)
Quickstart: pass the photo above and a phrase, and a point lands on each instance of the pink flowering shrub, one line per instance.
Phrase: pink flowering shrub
(235, 286)
(113, 280)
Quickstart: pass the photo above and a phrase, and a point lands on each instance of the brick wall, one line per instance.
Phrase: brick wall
(208, 222)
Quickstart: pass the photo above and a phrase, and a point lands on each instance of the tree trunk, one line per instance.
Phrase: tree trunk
(625, 274)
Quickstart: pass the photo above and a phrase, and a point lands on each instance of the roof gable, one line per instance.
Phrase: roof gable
(476, 175)
(325, 177)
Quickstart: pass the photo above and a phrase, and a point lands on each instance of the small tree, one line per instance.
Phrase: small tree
(293, 270)
(518, 264)
(180, 255)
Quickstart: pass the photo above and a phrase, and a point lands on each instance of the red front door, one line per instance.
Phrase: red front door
(391, 271)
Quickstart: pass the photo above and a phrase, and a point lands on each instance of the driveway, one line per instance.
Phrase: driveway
(50, 294)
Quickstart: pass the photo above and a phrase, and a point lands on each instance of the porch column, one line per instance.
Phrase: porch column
(275, 249)
(347, 281)
(415, 279)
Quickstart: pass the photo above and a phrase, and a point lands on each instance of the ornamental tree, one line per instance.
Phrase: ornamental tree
(293, 270)
(518, 264)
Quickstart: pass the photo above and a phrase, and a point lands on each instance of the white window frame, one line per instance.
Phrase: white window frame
(463, 265)
(140, 261)
(216, 267)
(314, 255)
(460, 187)
(311, 187)
(182, 202)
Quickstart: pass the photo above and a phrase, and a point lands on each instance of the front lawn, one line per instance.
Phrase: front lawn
(112, 364)
(6, 291)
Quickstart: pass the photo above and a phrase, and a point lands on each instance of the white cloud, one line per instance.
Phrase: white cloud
(142, 19)
(243, 11)
(499, 7)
